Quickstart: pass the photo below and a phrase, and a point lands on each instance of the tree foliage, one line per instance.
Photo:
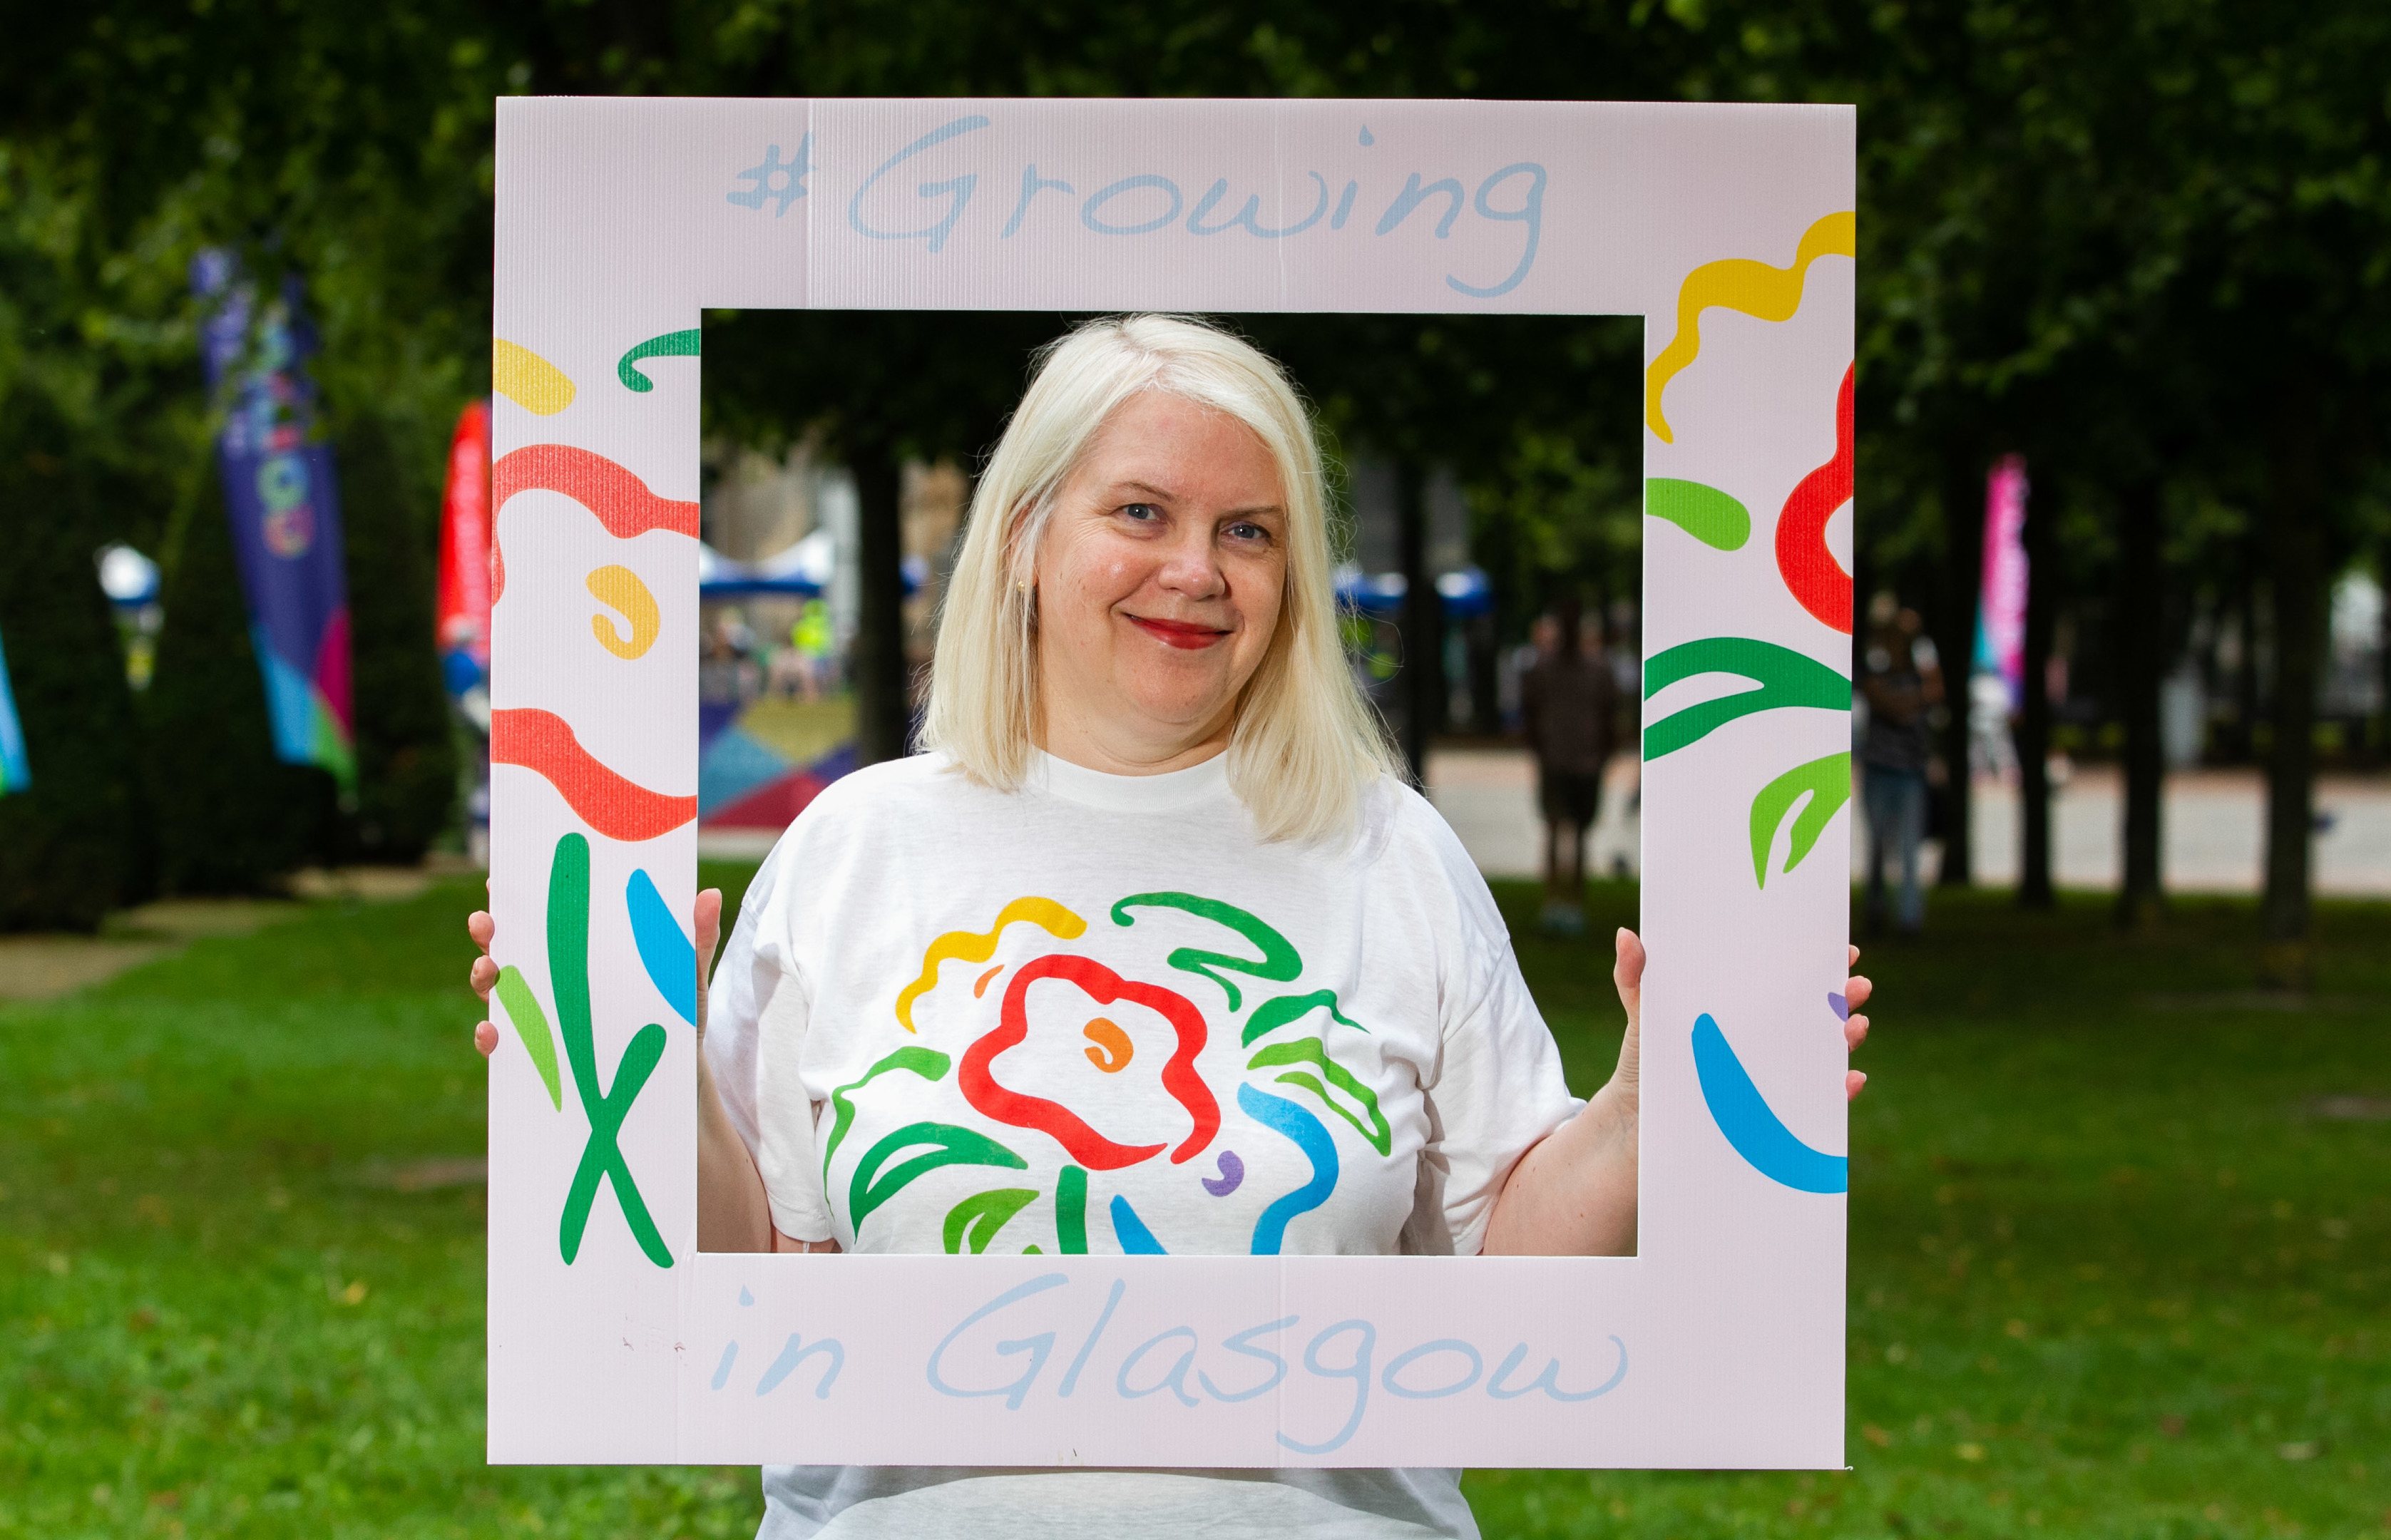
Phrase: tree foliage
(2142, 240)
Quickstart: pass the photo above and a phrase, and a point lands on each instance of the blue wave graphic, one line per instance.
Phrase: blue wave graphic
(1757, 1134)
(669, 957)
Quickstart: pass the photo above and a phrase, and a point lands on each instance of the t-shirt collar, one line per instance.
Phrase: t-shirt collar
(1169, 792)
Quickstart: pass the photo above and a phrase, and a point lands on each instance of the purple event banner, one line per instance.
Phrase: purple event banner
(283, 501)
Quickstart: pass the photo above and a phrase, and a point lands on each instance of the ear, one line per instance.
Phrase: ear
(1024, 531)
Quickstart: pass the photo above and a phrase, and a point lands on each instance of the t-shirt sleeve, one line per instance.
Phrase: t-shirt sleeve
(1498, 1088)
(756, 1012)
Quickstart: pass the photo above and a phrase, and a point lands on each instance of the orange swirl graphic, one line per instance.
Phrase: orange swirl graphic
(543, 742)
(621, 500)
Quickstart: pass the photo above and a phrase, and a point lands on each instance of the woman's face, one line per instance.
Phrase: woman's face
(1158, 582)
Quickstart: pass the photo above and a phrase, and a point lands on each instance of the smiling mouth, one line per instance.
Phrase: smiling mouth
(1178, 633)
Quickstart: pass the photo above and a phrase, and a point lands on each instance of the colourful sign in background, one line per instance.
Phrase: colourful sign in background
(2000, 615)
(462, 617)
(14, 774)
(284, 505)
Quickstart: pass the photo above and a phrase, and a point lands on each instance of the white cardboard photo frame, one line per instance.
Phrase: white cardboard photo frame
(1728, 229)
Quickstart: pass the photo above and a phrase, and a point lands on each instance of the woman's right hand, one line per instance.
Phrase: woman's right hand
(483, 928)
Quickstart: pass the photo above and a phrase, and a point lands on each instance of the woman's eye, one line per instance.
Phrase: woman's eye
(1255, 533)
(1142, 513)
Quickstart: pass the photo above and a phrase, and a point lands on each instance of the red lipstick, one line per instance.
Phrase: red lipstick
(1178, 633)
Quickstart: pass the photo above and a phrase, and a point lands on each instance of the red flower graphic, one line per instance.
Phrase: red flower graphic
(1087, 1146)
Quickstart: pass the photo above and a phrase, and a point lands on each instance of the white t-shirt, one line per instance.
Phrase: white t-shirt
(1102, 1015)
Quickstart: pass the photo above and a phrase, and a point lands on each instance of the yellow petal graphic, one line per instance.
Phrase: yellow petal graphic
(620, 588)
(528, 380)
(978, 947)
(1738, 283)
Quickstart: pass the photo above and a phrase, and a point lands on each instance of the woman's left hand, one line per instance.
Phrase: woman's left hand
(1628, 975)
(1575, 1192)
(1856, 990)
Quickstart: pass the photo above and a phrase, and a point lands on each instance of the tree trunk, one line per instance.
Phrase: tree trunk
(2139, 649)
(2034, 710)
(1423, 630)
(1954, 642)
(2297, 541)
(1485, 715)
(2382, 657)
(882, 708)
(2246, 672)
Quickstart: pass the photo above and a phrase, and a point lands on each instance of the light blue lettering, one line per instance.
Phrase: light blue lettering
(791, 1356)
(1237, 1344)
(1037, 1347)
(1414, 195)
(1548, 1381)
(1032, 185)
(1358, 1372)
(782, 181)
(1175, 1381)
(722, 1370)
(1530, 212)
(1344, 206)
(1112, 1302)
(1429, 1350)
(959, 187)
(1130, 184)
(1247, 215)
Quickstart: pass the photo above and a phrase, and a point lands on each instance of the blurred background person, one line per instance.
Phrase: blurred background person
(1900, 682)
(1568, 705)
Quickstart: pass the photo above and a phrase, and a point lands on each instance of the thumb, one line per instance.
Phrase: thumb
(709, 918)
(1628, 975)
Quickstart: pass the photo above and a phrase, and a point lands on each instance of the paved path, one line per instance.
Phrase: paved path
(2213, 825)
(44, 965)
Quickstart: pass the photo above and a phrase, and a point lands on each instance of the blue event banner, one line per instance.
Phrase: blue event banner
(283, 501)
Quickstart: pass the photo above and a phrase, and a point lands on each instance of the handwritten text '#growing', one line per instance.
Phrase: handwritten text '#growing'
(1149, 204)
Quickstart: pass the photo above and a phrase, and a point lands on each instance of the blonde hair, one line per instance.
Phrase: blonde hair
(1305, 745)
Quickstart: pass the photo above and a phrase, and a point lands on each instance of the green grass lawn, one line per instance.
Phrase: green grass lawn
(2113, 1270)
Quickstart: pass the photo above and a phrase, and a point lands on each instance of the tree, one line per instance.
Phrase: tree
(405, 744)
(231, 817)
(72, 848)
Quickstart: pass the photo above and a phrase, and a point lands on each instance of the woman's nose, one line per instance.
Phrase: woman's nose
(1189, 567)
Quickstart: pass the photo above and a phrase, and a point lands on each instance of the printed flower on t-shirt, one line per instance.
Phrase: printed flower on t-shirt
(1132, 1094)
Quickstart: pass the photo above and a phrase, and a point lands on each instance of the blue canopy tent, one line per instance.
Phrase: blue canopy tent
(803, 571)
(1466, 593)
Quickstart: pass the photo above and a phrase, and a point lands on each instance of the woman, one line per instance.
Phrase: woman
(1153, 950)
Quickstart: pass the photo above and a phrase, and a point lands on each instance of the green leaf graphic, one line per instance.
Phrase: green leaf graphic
(1271, 1014)
(1279, 961)
(531, 1025)
(1310, 1051)
(568, 979)
(950, 1147)
(928, 1063)
(1827, 782)
(1704, 513)
(978, 1219)
(1786, 677)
